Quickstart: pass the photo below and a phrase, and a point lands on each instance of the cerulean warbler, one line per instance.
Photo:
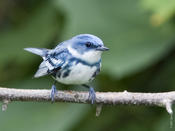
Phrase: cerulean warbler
(75, 61)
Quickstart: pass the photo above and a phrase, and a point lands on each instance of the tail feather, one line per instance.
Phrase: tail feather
(38, 51)
(42, 71)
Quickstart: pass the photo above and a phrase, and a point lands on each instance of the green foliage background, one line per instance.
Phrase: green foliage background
(140, 35)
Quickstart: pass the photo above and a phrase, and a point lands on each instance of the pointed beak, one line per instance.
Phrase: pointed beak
(102, 48)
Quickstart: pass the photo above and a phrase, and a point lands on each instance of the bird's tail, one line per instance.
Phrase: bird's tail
(43, 69)
(38, 51)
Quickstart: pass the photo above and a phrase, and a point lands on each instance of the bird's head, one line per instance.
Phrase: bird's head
(87, 47)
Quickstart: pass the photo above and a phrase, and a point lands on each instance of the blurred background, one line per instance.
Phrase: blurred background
(141, 38)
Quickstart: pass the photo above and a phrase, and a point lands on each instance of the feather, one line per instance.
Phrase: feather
(42, 71)
(38, 51)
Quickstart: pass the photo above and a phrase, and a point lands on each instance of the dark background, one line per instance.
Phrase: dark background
(141, 38)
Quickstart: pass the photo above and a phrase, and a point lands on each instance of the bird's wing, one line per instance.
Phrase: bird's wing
(42, 71)
(53, 62)
(98, 65)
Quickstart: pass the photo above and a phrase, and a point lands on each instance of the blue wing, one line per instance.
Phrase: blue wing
(53, 62)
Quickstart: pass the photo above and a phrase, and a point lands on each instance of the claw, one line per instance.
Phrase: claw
(53, 92)
(92, 95)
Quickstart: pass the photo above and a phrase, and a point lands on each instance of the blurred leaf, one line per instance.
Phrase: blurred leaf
(37, 30)
(162, 10)
(122, 118)
(124, 27)
(13, 13)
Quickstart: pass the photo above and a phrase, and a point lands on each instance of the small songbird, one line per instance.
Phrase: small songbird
(75, 62)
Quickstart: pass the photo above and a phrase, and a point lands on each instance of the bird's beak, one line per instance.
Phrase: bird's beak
(102, 48)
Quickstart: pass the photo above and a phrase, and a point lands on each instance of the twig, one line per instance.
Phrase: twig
(165, 99)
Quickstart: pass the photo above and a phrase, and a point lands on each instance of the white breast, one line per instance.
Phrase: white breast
(79, 74)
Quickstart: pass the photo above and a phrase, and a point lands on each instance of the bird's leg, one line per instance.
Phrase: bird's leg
(92, 95)
(53, 92)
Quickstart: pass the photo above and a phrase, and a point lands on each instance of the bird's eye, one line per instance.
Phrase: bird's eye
(88, 44)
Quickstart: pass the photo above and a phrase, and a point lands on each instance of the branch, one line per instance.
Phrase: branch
(165, 99)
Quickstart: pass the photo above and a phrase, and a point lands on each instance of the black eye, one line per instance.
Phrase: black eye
(88, 44)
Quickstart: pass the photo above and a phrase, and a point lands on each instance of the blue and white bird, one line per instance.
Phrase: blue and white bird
(75, 61)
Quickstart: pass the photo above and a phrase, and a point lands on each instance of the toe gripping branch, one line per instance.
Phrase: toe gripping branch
(92, 95)
(53, 92)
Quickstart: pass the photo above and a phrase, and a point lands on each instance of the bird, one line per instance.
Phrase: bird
(76, 61)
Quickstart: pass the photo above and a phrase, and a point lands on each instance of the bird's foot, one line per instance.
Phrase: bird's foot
(92, 95)
(53, 93)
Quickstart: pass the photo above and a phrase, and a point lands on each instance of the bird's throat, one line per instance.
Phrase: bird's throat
(90, 56)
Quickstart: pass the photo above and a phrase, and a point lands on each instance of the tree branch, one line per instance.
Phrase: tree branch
(165, 99)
